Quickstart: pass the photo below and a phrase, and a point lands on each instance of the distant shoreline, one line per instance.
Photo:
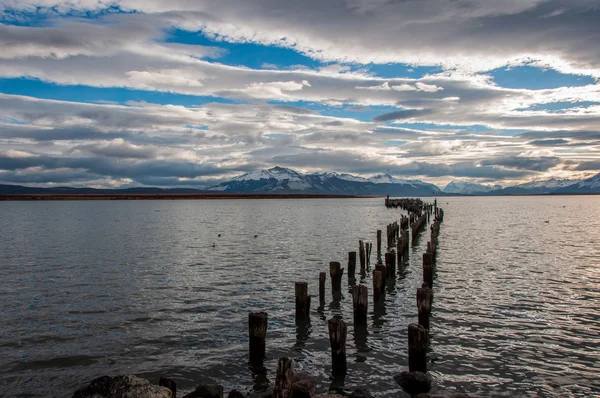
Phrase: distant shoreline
(191, 196)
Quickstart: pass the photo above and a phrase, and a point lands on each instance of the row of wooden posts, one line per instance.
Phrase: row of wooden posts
(417, 333)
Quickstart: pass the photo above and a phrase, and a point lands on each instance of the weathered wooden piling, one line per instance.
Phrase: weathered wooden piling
(390, 264)
(360, 301)
(378, 245)
(417, 348)
(369, 250)
(424, 300)
(337, 338)
(362, 255)
(284, 378)
(379, 283)
(351, 265)
(302, 301)
(428, 269)
(322, 277)
(335, 272)
(257, 328)
(170, 384)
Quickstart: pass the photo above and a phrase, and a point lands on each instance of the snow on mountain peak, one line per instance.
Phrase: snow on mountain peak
(278, 173)
(468, 188)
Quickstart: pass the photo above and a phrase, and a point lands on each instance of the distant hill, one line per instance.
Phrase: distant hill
(283, 180)
(280, 180)
(467, 188)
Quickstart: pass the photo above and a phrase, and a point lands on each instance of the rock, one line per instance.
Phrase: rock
(122, 387)
(235, 394)
(266, 393)
(303, 385)
(207, 391)
(361, 393)
(414, 382)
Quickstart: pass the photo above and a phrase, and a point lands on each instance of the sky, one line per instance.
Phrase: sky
(194, 92)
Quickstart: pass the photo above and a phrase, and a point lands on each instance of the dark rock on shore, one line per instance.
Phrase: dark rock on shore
(207, 391)
(414, 382)
(360, 393)
(122, 387)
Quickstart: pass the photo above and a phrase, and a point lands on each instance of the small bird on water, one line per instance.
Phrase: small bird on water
(214, 245)
(256, 236)
(547, 221)
(219, 235)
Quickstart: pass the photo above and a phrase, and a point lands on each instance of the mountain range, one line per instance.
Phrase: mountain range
(279, 180)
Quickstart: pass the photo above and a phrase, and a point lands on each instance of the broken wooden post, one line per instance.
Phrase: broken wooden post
(337, 338)
(302, 301)
(417, 348)
(424, 299)
(369, 250)
(351, 265)
(284, 378)
(322, 277)
(170, 384)
(362, 256)
(390, 264)
(360, 300)
(427, 269)
(335, 272)
(378, 283)
(257, 327)
(378, 245)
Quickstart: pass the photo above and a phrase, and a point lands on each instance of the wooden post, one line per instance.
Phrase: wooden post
(378, 245)
(390, 264)
(322, 277)
(257, 327)
(337, 338)
(302, 301)
(417, 348)
(378, 283)
(427, 269)
(369, 250)
(284, 378)
(362, 256)
(360, 301)
(170, 384)
(335, 272)
(351, 264)
(424, 299)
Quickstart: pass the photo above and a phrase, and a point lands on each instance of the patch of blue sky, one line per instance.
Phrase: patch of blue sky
(250, 55)
(8, 120)
(190, 126)
(362, 113)
(559, 107)
(117, 95)
(533, 78)
(395, 143)
(397, 70)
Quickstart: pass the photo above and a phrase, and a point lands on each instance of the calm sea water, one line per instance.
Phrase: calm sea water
(112, 287)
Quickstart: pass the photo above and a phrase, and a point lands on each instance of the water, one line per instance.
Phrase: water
(111, 287)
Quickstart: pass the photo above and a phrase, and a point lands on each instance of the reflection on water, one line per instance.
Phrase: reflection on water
(95, 288)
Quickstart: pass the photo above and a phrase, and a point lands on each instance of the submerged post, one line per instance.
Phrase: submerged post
(302, 301)
(427, 269)
(257, 327)
(336, 271)
(378, 283)
(284, 378)
(360, 298)
(322, 277)
(362, 256)
(351, 264)
(424, 300)
(417, 348)
(337, 338)
(390, 264)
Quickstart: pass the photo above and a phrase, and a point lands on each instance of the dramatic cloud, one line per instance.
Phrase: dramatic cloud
(188, 93)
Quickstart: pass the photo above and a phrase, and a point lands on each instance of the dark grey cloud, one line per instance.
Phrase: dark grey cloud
(402, 115)
(523, 163)
(589, 166)
(554, 142)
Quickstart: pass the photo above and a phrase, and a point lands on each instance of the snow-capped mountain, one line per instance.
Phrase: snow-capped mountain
(537, 187)
(283, 180)
(468, 188)
(590, 185)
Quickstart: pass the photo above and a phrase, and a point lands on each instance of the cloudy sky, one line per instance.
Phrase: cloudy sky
(192, 92)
